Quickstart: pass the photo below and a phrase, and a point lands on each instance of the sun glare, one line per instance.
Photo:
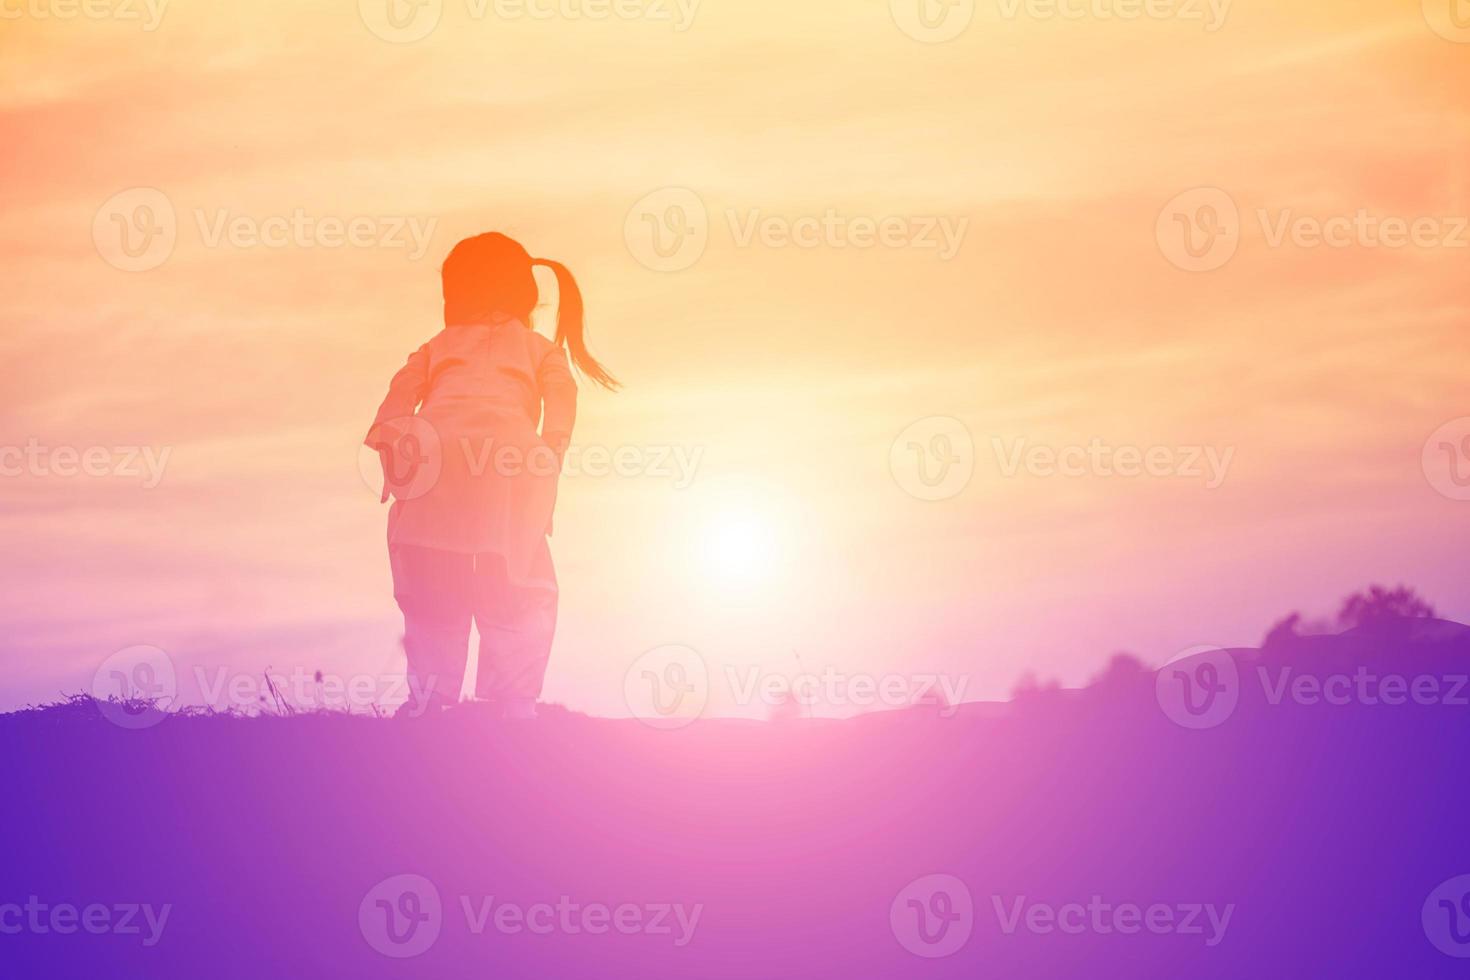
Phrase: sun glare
(740, 548)
(739, 539)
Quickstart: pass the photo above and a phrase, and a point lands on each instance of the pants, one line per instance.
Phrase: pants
(440, 592)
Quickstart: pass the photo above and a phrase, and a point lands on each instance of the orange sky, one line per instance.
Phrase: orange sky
(1053, 143)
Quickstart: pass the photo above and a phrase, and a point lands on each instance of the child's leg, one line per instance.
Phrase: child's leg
(433, 588)
(516, 628)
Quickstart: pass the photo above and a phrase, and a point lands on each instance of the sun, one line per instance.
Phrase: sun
(739, 539)
(740, 547)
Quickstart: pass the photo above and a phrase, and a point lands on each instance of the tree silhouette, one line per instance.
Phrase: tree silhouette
(1380, 606)
(1122, 670)
(1029, 687)
(1376, 608)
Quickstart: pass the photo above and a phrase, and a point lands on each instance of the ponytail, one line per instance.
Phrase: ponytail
(569, 327)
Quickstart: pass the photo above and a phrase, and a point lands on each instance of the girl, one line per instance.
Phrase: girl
(474, 482)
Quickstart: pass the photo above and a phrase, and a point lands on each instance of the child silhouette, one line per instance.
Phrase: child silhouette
(474, 482)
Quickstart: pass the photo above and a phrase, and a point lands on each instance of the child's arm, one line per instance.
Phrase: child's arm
(558, 400)
(405, 392)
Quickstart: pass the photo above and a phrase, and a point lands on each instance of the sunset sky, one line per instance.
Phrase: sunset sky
(1051, 148)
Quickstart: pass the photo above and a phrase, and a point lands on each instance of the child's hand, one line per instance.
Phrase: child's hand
(383, 438)
(385, 454)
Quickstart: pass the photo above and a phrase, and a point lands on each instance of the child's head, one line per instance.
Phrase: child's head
(491, 274)
(485, 275)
